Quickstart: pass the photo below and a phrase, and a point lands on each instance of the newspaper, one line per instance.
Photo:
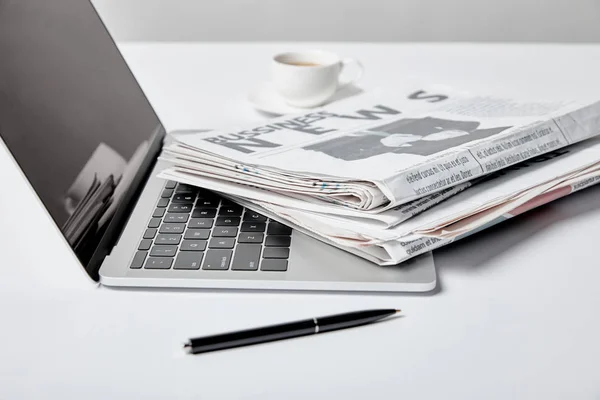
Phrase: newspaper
(373, 153)
(491, 200)
(477, 205)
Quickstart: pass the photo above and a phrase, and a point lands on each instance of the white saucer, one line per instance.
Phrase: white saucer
(264, 98)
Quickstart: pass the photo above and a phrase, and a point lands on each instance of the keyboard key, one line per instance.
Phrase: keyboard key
(170, 218)
(250, 237)
(275, 228)
(254, 217)
(231, 211)
(183, 198)
(217, 259)
(188, 260)
(183, 188)
(180, 208)
(276, 252)
(246, 257)
(208, 195)
(273, 265)
(167, 238)
(221, 243)
(172, 228)
(162, 203)
(253, 226)
(225, 231)
(154, 223)
(158, 263)
(158, 213)
(145, 244)
(200, 223)
(150, 233)
(227, 221)
(228, 203)
(207, 203)
(167, 193)
(138, 260)
(170, 185)
(277, 241)
(163, 251)
(204, 213)
(197, 234)
(193, 245)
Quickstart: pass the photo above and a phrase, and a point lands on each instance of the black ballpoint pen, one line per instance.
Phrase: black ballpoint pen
(285, 331)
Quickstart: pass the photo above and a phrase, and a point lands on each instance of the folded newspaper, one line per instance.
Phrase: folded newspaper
(354, 174)
(375, 152)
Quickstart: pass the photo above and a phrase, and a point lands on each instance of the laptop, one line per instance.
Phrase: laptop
(86, 138)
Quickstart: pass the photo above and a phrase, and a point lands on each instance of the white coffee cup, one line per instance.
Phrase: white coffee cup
(308, 79)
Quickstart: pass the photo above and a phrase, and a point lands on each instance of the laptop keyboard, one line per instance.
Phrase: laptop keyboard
(196, 229)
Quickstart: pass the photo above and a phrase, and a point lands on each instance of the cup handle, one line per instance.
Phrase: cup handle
(345, 63)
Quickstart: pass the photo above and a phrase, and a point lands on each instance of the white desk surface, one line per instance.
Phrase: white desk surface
(516, 315)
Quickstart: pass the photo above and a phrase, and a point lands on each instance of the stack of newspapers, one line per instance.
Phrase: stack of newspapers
(391, 175)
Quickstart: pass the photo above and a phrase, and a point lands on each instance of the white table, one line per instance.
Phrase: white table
(516, 315)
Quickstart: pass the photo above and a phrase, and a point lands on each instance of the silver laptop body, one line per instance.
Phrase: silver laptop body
(312, 265)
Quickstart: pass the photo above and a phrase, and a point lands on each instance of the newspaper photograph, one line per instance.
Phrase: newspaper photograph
(375, 152)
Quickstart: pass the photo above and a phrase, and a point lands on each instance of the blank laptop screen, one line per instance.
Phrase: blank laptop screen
(71, 113)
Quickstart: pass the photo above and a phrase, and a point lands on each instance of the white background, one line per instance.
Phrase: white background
(516, 311)
(353, 20)
(515, 317)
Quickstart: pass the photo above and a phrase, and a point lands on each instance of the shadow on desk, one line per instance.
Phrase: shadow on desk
(477, 251)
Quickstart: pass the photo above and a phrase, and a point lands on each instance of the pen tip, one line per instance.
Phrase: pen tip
(398, 311)
(187, 345)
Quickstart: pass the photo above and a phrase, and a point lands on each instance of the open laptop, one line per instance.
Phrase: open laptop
(85, 136)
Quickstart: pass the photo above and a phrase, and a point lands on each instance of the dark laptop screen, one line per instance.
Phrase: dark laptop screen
(71, 113)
